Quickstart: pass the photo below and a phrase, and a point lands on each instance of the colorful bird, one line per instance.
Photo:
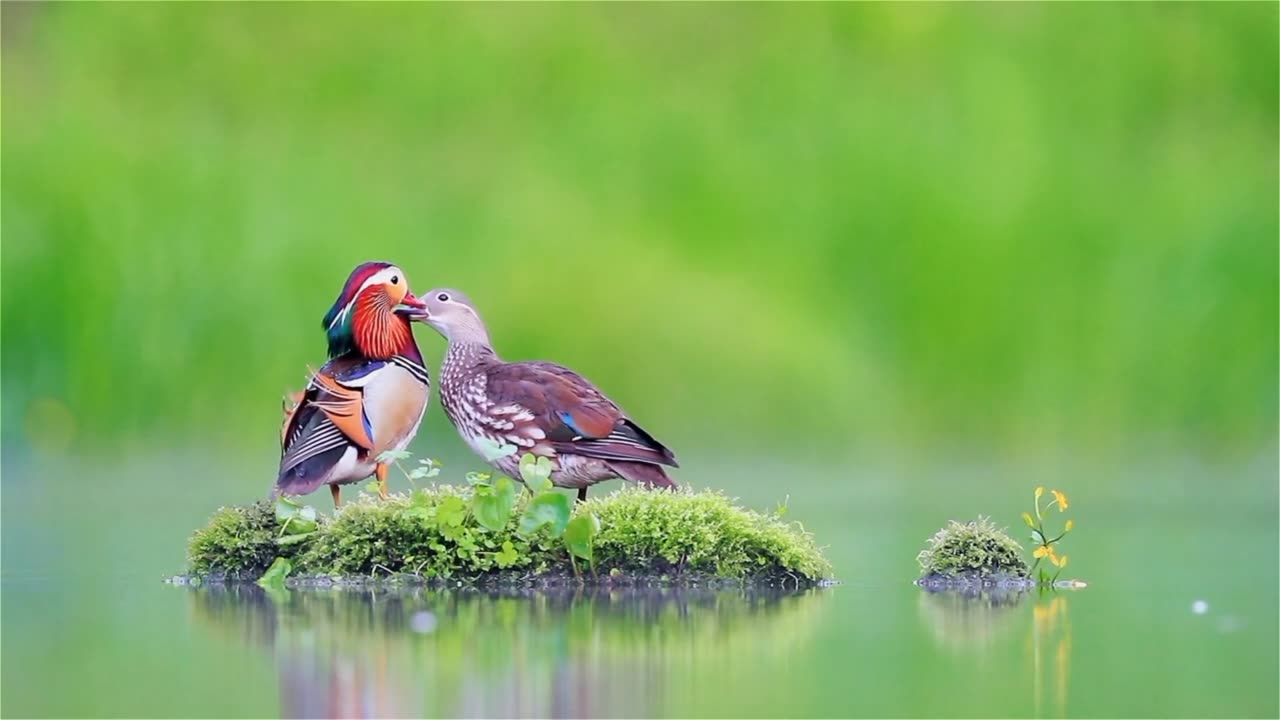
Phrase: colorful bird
(537, 407)
(368, 398)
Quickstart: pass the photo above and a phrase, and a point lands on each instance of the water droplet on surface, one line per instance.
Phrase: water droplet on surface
(422, 622)
(1200, 607)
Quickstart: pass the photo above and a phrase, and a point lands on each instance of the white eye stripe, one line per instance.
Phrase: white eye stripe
(382, 276)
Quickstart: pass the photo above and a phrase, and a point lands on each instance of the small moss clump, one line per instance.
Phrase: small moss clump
(433, 535)
(238, 542)
(699, 532)
(973, 551)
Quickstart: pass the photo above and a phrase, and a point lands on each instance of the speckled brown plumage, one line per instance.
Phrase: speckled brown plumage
(538, 407)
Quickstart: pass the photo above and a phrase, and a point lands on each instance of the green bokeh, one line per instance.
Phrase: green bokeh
(888, 263)
(1024, 226)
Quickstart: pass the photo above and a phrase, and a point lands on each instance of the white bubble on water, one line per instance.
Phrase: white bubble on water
(422, 622)
(1200, 607)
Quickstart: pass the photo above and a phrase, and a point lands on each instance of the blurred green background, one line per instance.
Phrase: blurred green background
(1028, 227)
(898, 263)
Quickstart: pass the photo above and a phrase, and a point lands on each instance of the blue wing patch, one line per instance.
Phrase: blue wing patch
(567, 419)
(359, 371)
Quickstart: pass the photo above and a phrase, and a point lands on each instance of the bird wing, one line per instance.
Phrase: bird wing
(329, 413)
(569, 412)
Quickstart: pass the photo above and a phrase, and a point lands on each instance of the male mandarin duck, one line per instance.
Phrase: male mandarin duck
(368, 398)
(538, 407)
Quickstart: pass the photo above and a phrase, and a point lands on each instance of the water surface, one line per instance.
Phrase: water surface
(1180, 618)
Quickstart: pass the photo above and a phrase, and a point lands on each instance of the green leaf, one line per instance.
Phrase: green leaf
(428, 468)
(286, 508)
(491, 450)
(299, 526)
(493, 509)
(579, 534)
(417, 512)
(478, 478)
(451, 511)
(389, 456)
(507, 556)
(291, 539)
(536, 472)
(303, 522)
(296, 518)
(550, 510)
(275, 575)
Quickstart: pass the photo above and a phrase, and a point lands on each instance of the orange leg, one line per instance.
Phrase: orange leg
(336, 491)
(381, 472)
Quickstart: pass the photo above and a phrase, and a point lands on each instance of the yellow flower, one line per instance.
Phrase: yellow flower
(1060, 498)
(1070, 524)
(1062, 562)
(1047, 551)
(1039, 492)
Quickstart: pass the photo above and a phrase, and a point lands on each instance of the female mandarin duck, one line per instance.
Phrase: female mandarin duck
(369, 397)
(538, 407)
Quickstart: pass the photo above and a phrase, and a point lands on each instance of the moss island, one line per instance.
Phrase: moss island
(447, 534)
(972, 554)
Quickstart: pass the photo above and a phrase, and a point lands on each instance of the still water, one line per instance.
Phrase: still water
(1179, 619)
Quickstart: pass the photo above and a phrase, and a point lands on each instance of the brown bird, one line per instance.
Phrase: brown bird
(537, 407)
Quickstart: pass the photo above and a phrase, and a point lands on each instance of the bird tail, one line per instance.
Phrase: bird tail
(651, 476)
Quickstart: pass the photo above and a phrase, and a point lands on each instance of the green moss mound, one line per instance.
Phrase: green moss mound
(972, 552)
(430, 535)
(238, 542)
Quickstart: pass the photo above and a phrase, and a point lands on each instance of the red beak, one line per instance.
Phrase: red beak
(411, 307)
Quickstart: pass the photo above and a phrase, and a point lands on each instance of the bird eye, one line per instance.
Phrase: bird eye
(395, 279)
(443, 297)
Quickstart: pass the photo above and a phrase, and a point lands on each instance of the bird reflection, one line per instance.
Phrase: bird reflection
(411, 653)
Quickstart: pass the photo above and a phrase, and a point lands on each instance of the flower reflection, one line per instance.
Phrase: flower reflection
(1051, 633)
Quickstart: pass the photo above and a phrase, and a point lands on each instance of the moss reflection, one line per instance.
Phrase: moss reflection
(361, 653)
(965, 620)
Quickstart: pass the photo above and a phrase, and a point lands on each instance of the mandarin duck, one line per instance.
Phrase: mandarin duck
(368, 398)
(537, 407)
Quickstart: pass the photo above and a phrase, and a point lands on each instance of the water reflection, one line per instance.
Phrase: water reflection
(969, 620)
(972, 621)
(1051, 651)
(362, 653)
